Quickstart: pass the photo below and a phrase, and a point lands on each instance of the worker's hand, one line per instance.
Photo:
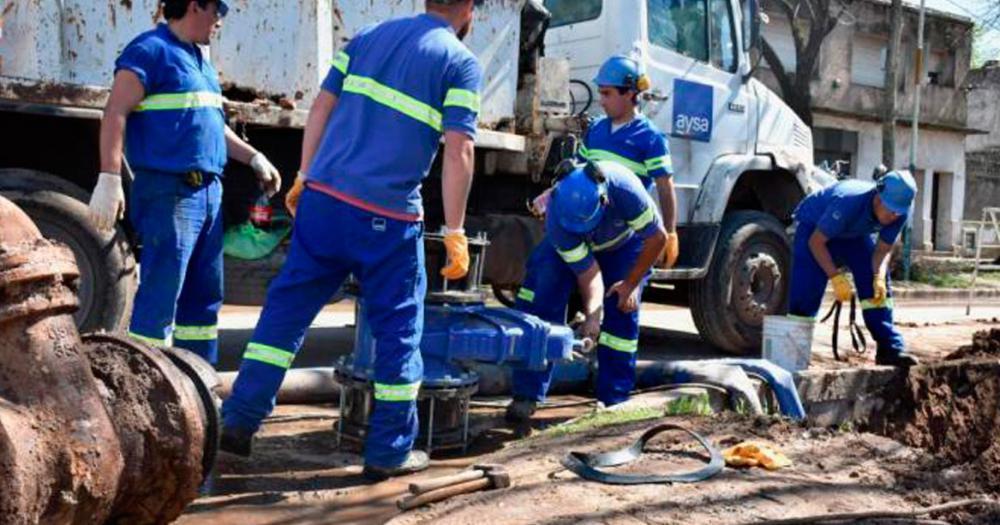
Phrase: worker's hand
(670, 252)
(841, 287)
(292, 198)
(107, 203)
(457, 246)
(540, 204)
(628, 296)
(880, 289)
(267, 174)
(591, 327)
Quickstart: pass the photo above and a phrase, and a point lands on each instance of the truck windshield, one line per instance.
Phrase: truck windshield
(565, 12)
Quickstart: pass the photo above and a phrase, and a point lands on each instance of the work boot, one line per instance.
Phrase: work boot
(901, 360)
(415, 461)
(520, 410)
(236, 440)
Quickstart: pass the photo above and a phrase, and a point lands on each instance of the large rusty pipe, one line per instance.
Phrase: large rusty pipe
(93, 431)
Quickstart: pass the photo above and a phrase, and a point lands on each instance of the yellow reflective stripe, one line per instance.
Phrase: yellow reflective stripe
(801, 318)
(341, 61)
(576, 254)
(403, 392)
(658, 162)
(612, 242)
(600, 154)
(148, 340)
(270, 355)
(526, 294)
(642, 220)
(396, 100)
(463, 98)
(868, 304)
(192, 100)
(196, 333)
(617, 343)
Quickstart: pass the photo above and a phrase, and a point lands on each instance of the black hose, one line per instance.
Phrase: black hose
(590, 96)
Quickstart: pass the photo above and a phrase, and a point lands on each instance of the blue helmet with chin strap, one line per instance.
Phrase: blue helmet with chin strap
(623, 71)
(897, 190)
(579, 197)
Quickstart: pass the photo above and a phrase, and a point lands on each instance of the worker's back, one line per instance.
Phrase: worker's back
(400, 84)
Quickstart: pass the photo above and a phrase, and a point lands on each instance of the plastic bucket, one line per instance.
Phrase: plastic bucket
(788, 341)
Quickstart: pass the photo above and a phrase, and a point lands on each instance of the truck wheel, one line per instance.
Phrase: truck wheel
(107, 269)
(748, 279)
(246, 281)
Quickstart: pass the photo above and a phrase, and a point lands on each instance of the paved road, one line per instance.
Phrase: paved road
(667, 331)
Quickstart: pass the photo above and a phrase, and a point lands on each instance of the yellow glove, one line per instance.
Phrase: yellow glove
(751, 454)
(670, 252)
(880, 289)
(292, 199)
(457, 246)
(841, 287)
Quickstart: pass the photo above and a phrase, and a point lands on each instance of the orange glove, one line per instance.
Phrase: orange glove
(841, 287)
(292, 199)
(670, 252)
(457, 246)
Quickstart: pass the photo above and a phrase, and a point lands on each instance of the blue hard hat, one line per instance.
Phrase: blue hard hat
(579, 197)
(897, 190)
(622, 71)
(223, 8)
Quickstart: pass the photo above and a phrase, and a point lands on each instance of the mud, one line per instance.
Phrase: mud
(984, 344)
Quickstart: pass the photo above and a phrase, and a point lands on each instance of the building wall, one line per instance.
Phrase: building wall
(983, 150)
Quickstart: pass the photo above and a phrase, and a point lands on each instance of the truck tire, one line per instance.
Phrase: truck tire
(107, 268)
(246, 281)
(748, 279)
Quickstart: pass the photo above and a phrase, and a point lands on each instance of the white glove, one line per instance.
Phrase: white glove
(107, 203)
(267, 174)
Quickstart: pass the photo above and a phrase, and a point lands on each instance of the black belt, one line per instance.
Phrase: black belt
(585, 465)
(858, 341)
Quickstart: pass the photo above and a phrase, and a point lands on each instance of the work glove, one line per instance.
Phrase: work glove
(457, 246)
(267, 174)
(841, 287)
(107, 203)
(880, 289)
(292, 198)
(670, 252)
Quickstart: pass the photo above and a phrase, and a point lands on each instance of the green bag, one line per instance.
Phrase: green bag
(246, 241)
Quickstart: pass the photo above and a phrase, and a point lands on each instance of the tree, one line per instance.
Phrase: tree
(811, 22)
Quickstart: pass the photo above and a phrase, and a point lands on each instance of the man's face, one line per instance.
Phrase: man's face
(207, 20)
(884, 215)
(616, 105)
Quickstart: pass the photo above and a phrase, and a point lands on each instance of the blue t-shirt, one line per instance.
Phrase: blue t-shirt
(638, 145)
(846, 210)
(179, 126)
(400, 84)
(630, 211)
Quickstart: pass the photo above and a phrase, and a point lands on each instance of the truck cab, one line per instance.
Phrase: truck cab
(742, 158)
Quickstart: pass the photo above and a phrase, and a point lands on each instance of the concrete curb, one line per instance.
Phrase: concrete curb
(934, 294)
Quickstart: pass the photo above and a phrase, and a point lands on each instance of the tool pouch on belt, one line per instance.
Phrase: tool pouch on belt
(195, 179)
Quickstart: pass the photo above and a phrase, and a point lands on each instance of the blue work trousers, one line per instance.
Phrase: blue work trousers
(330, 240)
(546, 292)
(179, 223)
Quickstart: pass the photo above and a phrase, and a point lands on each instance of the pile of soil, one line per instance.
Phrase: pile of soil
(984, 344)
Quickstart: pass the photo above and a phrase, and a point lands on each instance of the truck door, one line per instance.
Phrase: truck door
(693, 61)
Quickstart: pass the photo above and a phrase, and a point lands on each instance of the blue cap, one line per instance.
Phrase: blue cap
(897, 190)
(578, 199)
(223, 8)
(622, 71)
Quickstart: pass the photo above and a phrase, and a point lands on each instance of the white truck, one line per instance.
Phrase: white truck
(743, 160)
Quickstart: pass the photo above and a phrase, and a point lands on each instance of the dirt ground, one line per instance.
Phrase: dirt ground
(938, 443)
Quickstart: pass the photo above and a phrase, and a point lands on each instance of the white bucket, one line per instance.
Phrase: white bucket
(788, 341)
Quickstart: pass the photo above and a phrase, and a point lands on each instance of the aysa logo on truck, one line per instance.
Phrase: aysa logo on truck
(692, 111)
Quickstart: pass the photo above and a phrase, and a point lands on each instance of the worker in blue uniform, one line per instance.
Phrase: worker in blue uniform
(602, 235)
(165, 109)
(835, 227)
(371, 137)
(627, 137)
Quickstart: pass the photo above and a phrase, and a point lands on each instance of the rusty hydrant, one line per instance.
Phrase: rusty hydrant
(93, 430)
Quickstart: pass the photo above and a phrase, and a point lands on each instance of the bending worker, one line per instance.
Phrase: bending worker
(627, 137)
(370, 138)
(835, 227)
(603, 236)
(166, 106)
